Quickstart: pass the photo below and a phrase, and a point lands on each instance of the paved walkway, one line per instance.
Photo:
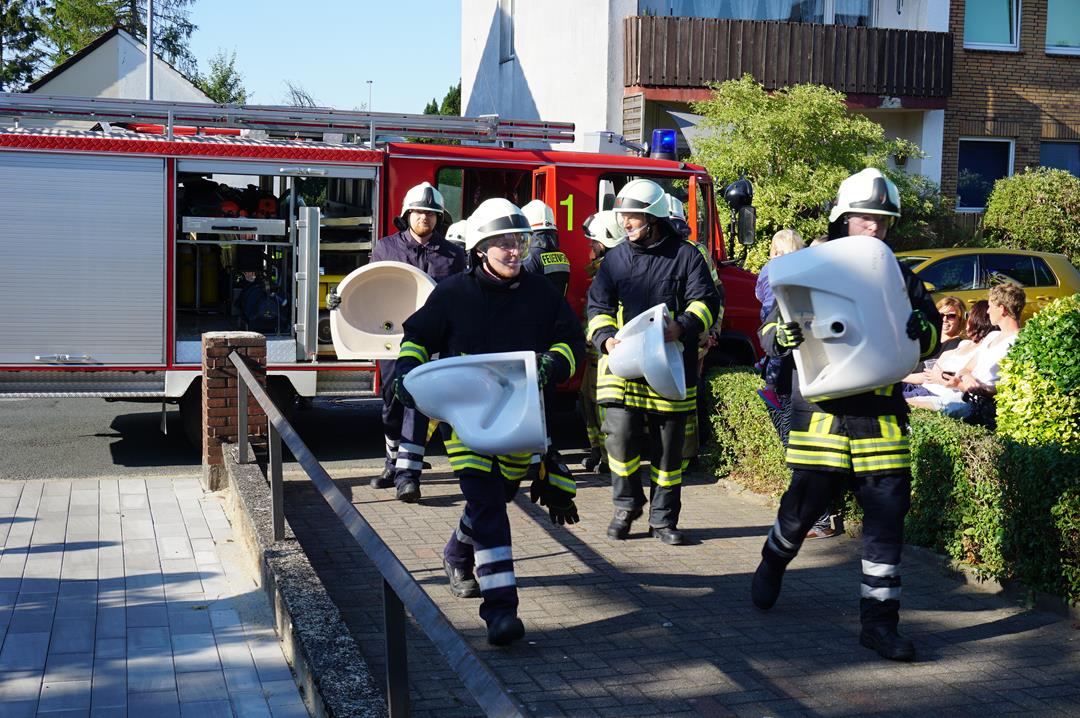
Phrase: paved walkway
(639, 628)
(127, 598)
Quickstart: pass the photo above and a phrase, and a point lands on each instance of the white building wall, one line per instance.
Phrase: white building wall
(567, 63)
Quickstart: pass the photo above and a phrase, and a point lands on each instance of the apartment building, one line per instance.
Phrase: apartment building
(984, 87)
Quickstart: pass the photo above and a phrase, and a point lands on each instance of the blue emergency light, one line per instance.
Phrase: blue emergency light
(662, 146)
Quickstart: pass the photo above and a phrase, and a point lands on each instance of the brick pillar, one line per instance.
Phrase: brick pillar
(219, 398)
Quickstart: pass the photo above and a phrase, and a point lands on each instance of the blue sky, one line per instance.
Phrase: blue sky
(410, 48)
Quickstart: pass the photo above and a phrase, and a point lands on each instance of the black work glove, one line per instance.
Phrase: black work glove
(917, 325)
(333, 300)
(545, 369)
(789, 336)
(555, 495)
(401, 393)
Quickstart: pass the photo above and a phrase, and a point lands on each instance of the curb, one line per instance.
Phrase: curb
(333, 677)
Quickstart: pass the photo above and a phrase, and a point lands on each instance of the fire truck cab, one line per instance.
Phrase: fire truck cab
(123, 245)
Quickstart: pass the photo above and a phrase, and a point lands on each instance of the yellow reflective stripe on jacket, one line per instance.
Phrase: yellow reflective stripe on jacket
(513, 467)
(639, 395)
(884, 390)
(883, 462)
(890, 426)
(608, 386)
(820, 423)
(874, 446)
(462, 457)
(620, 468)
(835, 459)
(599, 322)
(701, 310)
(824, 441)
(563, 483)
(564, 349)
(932, 346)
(665, 478)
(414, 350)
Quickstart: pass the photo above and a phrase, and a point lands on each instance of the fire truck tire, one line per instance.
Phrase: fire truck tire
(191, 414)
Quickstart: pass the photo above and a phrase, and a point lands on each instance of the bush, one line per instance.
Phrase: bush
(1009, 510)
(1038, 399)
(1038, 209)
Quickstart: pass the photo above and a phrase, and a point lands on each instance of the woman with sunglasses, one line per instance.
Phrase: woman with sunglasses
(953, 315)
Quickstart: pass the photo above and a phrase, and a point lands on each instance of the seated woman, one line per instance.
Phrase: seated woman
(949, 362)
(981, 372)
(953, 311)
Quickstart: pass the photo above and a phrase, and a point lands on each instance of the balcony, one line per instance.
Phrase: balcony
(687, 52)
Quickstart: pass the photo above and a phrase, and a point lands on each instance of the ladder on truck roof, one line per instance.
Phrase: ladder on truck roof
(282, 119)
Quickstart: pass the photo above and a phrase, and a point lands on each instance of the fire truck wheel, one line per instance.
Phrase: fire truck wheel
(191, 414)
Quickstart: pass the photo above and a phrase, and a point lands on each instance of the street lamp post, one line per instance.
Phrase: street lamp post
(371, 139)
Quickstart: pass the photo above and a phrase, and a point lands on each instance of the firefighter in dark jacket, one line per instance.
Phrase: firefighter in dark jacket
(655, 266)
(495, 307)
(544, 255)
(419, 244)
(859, 441)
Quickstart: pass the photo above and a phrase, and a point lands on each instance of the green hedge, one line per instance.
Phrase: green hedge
(1009, 510)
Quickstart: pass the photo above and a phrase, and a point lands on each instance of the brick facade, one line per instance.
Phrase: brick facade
(219, 397)
(1027, 96)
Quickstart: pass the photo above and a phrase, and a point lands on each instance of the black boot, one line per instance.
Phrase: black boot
(765, 588)
(887, 642)
(669, 535)
(409, 491)
(593, 459)
(384, 480)
(505, 628)
(463, 583)
(619, 528)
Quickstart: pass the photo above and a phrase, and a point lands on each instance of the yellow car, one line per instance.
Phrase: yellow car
(969, 272)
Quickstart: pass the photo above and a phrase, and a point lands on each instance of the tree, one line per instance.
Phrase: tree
(70, 25)
(796, 145)
(297, 96)
(450, 105)
(20, 53)
(223, 83)
(1037, 209)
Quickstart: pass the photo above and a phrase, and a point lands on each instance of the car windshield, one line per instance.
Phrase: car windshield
(911, 262)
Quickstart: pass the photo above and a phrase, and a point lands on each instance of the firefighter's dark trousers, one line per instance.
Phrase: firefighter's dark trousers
(885, 499)
(405, 430)
(666, 433)
(482, 539)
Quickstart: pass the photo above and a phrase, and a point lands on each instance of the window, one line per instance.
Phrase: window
(951, 274)
(995, 269)
(506, 30)
(992, 25)
(1061, 155)
(1063, 27)
(855, 13)
(980, 163)
(464, 189)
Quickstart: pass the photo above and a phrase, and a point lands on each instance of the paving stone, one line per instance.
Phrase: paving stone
(24, 652)
(158, 704)
(200, 686)
(69, 695)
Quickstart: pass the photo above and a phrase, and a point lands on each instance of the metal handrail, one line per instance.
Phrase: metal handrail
(400, 589)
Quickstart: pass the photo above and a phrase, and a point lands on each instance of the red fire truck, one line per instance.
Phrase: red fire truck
(124, 242)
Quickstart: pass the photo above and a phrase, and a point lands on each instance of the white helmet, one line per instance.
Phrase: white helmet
(605, 228)
(867, 192)
(539, 215)
(456, 233)
(492, 218)
(642, 196)
(676, 208)
(423, 196)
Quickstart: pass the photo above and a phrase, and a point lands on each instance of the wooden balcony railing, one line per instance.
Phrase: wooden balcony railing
(693, 52)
